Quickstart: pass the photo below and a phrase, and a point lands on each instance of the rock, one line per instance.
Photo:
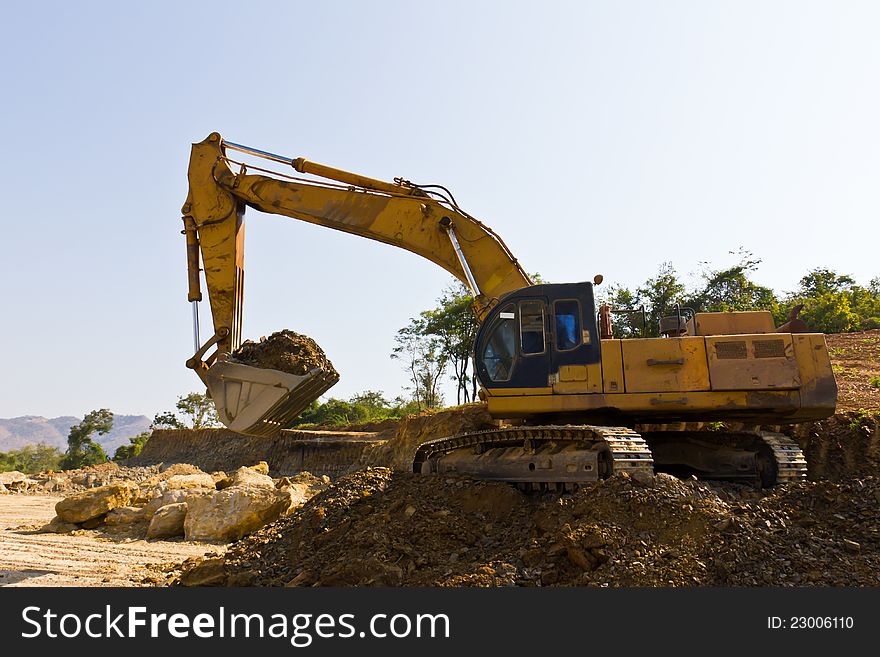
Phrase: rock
(126, 515)
(7, 478)
(261, 468)
(851, 546)
(94, 523)
(95, 502)
(229, 514)
(410, 511)
(169, 497)
(57, 526)
(241, 579)
(22, 485)
(305, 578)
(218, 477)
(580, 558)
(208, 572)
(249, 476)
(724, 524)
(3, 490)
(300, 488)
(168, 521)
(184, 482)
(643, 478)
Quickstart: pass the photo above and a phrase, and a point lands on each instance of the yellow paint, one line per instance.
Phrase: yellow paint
(579, 379)
(612, 367)
(732, 323)
(752, 372)
(818, 388)
(665, 364)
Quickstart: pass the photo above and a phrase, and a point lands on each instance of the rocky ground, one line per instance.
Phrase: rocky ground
(122, 526)
(382, 528)
(29, 557)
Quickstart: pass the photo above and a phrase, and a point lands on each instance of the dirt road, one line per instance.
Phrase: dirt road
(87, 559)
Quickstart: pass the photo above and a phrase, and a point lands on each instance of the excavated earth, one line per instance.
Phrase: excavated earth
(284, 350)
(376, 527)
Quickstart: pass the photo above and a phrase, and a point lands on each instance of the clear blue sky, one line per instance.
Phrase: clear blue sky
(593, 136)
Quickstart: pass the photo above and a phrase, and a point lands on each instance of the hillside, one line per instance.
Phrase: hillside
(855, 358)
(17, 432)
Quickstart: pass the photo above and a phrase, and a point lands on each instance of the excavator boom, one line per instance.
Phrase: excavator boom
(401, 214)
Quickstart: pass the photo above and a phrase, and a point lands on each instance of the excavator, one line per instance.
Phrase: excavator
(572, 402)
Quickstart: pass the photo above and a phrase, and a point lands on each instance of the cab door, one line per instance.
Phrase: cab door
(515, 350)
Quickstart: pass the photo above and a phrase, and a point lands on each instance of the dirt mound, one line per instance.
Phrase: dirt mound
(414, 430)
(377, 528)
(284, 350)
(842, 446)
(855, 358)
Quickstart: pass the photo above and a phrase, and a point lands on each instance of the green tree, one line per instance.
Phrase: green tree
(834, 303)
(732, 289)
(424, 361)
(196, 411)
(628, 322)
(134, 447)
(81, 449)
(454, 326)
(31, 459)
(821, 281)
(367, 406)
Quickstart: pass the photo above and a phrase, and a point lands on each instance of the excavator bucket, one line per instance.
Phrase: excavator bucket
(262, 402)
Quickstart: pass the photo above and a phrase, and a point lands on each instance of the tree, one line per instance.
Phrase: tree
(732, 289)
(81, 449)
(834, 303)
(198, 412)
(821, 281)
(134, 447)
(454, 326)
(423, 359)
(31, 459)
(367, 406)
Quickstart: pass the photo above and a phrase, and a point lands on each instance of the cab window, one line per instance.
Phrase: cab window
(531, 327)
(568, 324)
(500, 349)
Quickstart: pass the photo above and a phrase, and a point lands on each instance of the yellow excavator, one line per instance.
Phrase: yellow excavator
(573, 402)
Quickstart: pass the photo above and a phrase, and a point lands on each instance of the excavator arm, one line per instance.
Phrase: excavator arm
(402, 214)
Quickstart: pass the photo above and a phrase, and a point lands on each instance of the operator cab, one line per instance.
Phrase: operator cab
(531, 332)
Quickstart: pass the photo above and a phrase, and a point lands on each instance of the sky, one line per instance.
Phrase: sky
(594, 137)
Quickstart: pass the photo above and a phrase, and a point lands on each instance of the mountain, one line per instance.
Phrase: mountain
(17, 432)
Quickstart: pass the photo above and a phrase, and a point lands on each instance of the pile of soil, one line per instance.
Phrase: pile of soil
(376, 527)
(842, 446)
(284, 350)
(855, 358)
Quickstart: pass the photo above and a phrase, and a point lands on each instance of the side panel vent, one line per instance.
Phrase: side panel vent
(769, 349)
(731, 350)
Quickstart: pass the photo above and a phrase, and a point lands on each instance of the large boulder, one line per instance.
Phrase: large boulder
(95, 502)
(168, 521)
(187, 481)
(3, 490)
(126, 515)
(169, 497)
(7, 478)
(233, 512)
(251, 477)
